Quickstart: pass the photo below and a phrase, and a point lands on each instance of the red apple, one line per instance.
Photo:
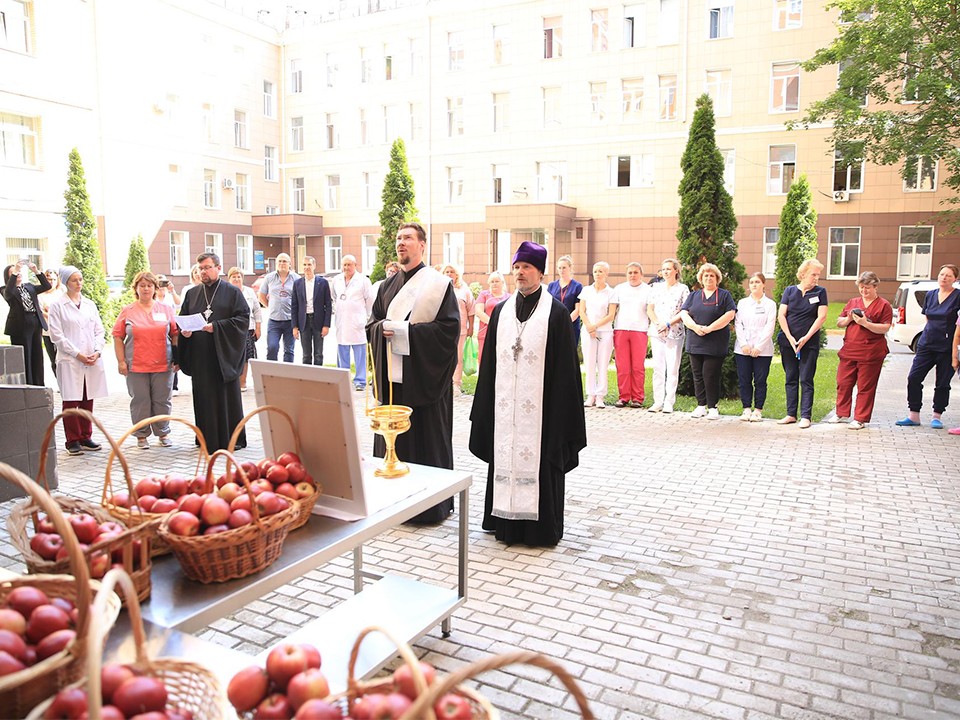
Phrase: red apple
(453, 707)
(261, 485)
(46, 545)
(313, 655)
(107, 712)
(112, 676)
(197, 485)
(64, 553)
(268, 503)
(285, 661)
(45, 525)
(120, 499)
(146, 502)
(241, 502)
(274, 707)
(150, 485)
(264, 465)
(287, 458)
(25, 598)
(99, 564)
(84, 526)
(9, 664)
(307, 685)
(191, 503)
(367, 707)
(44, 620)
(403, 679)
(12, 643)
(54, 643)
(184, 524)
(164, 505)
(305, 490)
(174, 486)
(215, 529)
(248, 688)
(62, 603)
(277, 474)
(111, 526)
(287, 490)
(152, 715)
(318, 710)
(215, 510)
(230, 491)
(13, 621)
(31, 657)
(239, 518)
(68, 703)
(251, 469)
(140, 695)
(297, 472)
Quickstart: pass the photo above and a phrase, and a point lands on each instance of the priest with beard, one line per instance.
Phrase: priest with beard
(214, 357)
(417, 314)
(527, 417)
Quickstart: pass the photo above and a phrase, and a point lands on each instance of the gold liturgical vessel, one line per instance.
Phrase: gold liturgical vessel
(388, 421)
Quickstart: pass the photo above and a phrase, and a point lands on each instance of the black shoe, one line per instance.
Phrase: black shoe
(621, 403)
(89, 445)
(74, 448)
(358, 388)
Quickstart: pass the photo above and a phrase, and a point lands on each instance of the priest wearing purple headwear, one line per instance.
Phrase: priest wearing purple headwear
(527, 417)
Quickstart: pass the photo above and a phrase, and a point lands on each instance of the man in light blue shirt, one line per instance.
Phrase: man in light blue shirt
(276, 292)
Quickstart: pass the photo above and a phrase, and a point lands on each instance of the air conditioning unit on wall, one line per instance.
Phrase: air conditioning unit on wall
(841, 196)
(227, 184)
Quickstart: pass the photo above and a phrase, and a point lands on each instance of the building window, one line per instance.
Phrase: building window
(332, 252)
(179, 252)
(391, 127)
(844, 252)
(598, 101)
(720, 19)
(668, 23)
(668, 97)
(364, 137)
(239, 129)
(633, 26)
(841, 68)
(208, 122)
(846, 176)
(920, 174)
(13, 249)
(210, 195)
(213, 243)
(269, 162)
(551, 107)
(550, 181)
(501, 182)
(454, 117)
(296, 76)
(849, 16)
(16, 20)
(370, 189)
(298, 194)
(453, 248)
(415, 57)
(18, 140)
(387, 64)
(269, 100)
(501, 44)
(455, 185)
(241, 192)
(631, 170)
(333, 192)
(333, 69)
(729, 169)
(785, 87)
(787, 14)
(368, 252)
(781, 167)
(552, 37)
(271, 210)
(916, 251)
(416, 121)
(455, 50)
(501, 111)
(719, 86)
(599, 30)
(333, 133)
(632, 98)
(245, 253)
(366, 67)
(296, 134)
(771, 236)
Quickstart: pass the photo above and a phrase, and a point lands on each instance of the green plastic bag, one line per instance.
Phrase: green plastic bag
(470, 356)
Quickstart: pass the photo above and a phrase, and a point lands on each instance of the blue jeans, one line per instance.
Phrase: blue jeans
(752, 374)
(799, 374)
(359, 359)
(275, 330)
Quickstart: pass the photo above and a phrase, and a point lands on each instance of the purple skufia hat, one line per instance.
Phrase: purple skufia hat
(530, 252)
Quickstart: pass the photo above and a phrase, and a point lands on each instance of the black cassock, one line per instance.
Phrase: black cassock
(563, 428)
(427, 385)
(214, 361)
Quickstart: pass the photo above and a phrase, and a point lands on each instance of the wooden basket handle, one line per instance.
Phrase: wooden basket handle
(211, 484)
(409, 658)
(265, 408)
(78, 565)
(107, 483)
(525, 657)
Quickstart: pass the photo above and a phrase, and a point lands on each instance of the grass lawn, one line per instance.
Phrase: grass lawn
(824, 397)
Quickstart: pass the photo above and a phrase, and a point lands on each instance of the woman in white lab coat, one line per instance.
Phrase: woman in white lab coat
(77, 331)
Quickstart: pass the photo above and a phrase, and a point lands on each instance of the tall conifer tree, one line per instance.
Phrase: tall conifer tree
(83, 250)
(398, 207)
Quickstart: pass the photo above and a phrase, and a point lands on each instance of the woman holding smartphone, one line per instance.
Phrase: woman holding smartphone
(25, 321)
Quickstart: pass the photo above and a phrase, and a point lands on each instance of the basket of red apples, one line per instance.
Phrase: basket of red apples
(154, 689)
(44, 619)
(287, 473)
(154, 495)
(217, 540)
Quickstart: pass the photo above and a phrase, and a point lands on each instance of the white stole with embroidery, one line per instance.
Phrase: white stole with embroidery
(518, 410)
(420, 298)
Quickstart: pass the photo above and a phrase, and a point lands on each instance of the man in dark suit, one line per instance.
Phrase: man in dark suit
(25, 323)
(310, 310)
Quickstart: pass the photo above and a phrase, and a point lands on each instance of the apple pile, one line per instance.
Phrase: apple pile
(33, 627)
(49, 545)
(160, 493)
(285, 476)
(124, 694)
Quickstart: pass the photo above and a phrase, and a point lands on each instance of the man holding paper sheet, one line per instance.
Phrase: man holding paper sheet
(214, 355)
(416, 313)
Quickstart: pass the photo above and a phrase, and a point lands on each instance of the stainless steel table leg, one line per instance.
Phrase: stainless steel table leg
(358, 569)
(464, 538)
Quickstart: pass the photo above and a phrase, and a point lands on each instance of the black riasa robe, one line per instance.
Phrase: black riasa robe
(427, 385)
(214, 361)
(563, 429)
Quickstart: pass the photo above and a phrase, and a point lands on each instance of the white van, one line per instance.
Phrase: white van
(908, 320)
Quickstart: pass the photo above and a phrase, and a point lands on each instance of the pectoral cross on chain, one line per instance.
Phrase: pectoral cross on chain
(207, 313)
(517, 348)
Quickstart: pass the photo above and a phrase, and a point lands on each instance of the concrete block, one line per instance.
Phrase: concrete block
(9, 491)
(52, 470)
(13, 439)
(35, 396)
(13, 360)
(37, 420)
(11, 399)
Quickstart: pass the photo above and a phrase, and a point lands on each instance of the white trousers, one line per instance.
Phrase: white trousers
(666, 369)
(596, 356)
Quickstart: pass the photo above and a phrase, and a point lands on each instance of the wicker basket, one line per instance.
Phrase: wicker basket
(21, 691)
(132, 547)
(190, 686)
(305, 505)
(423, 705)
(234, 553)
(127, 516)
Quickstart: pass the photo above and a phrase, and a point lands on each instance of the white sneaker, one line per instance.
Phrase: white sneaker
(757, 416)
(655, 408)
(856, 425)
(713, 414)
(836, 419)
(589, 401)
(804, 423)
(746, 415)
(667, 409)
(699, 412)
(600, 402)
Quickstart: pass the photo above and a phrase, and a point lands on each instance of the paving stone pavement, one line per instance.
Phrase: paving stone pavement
(708, 570)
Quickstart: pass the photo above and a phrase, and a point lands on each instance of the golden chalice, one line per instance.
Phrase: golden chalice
(390, 421)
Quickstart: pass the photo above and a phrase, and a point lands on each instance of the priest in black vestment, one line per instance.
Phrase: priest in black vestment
(213, 357)
(527, 417)
(416, 311)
